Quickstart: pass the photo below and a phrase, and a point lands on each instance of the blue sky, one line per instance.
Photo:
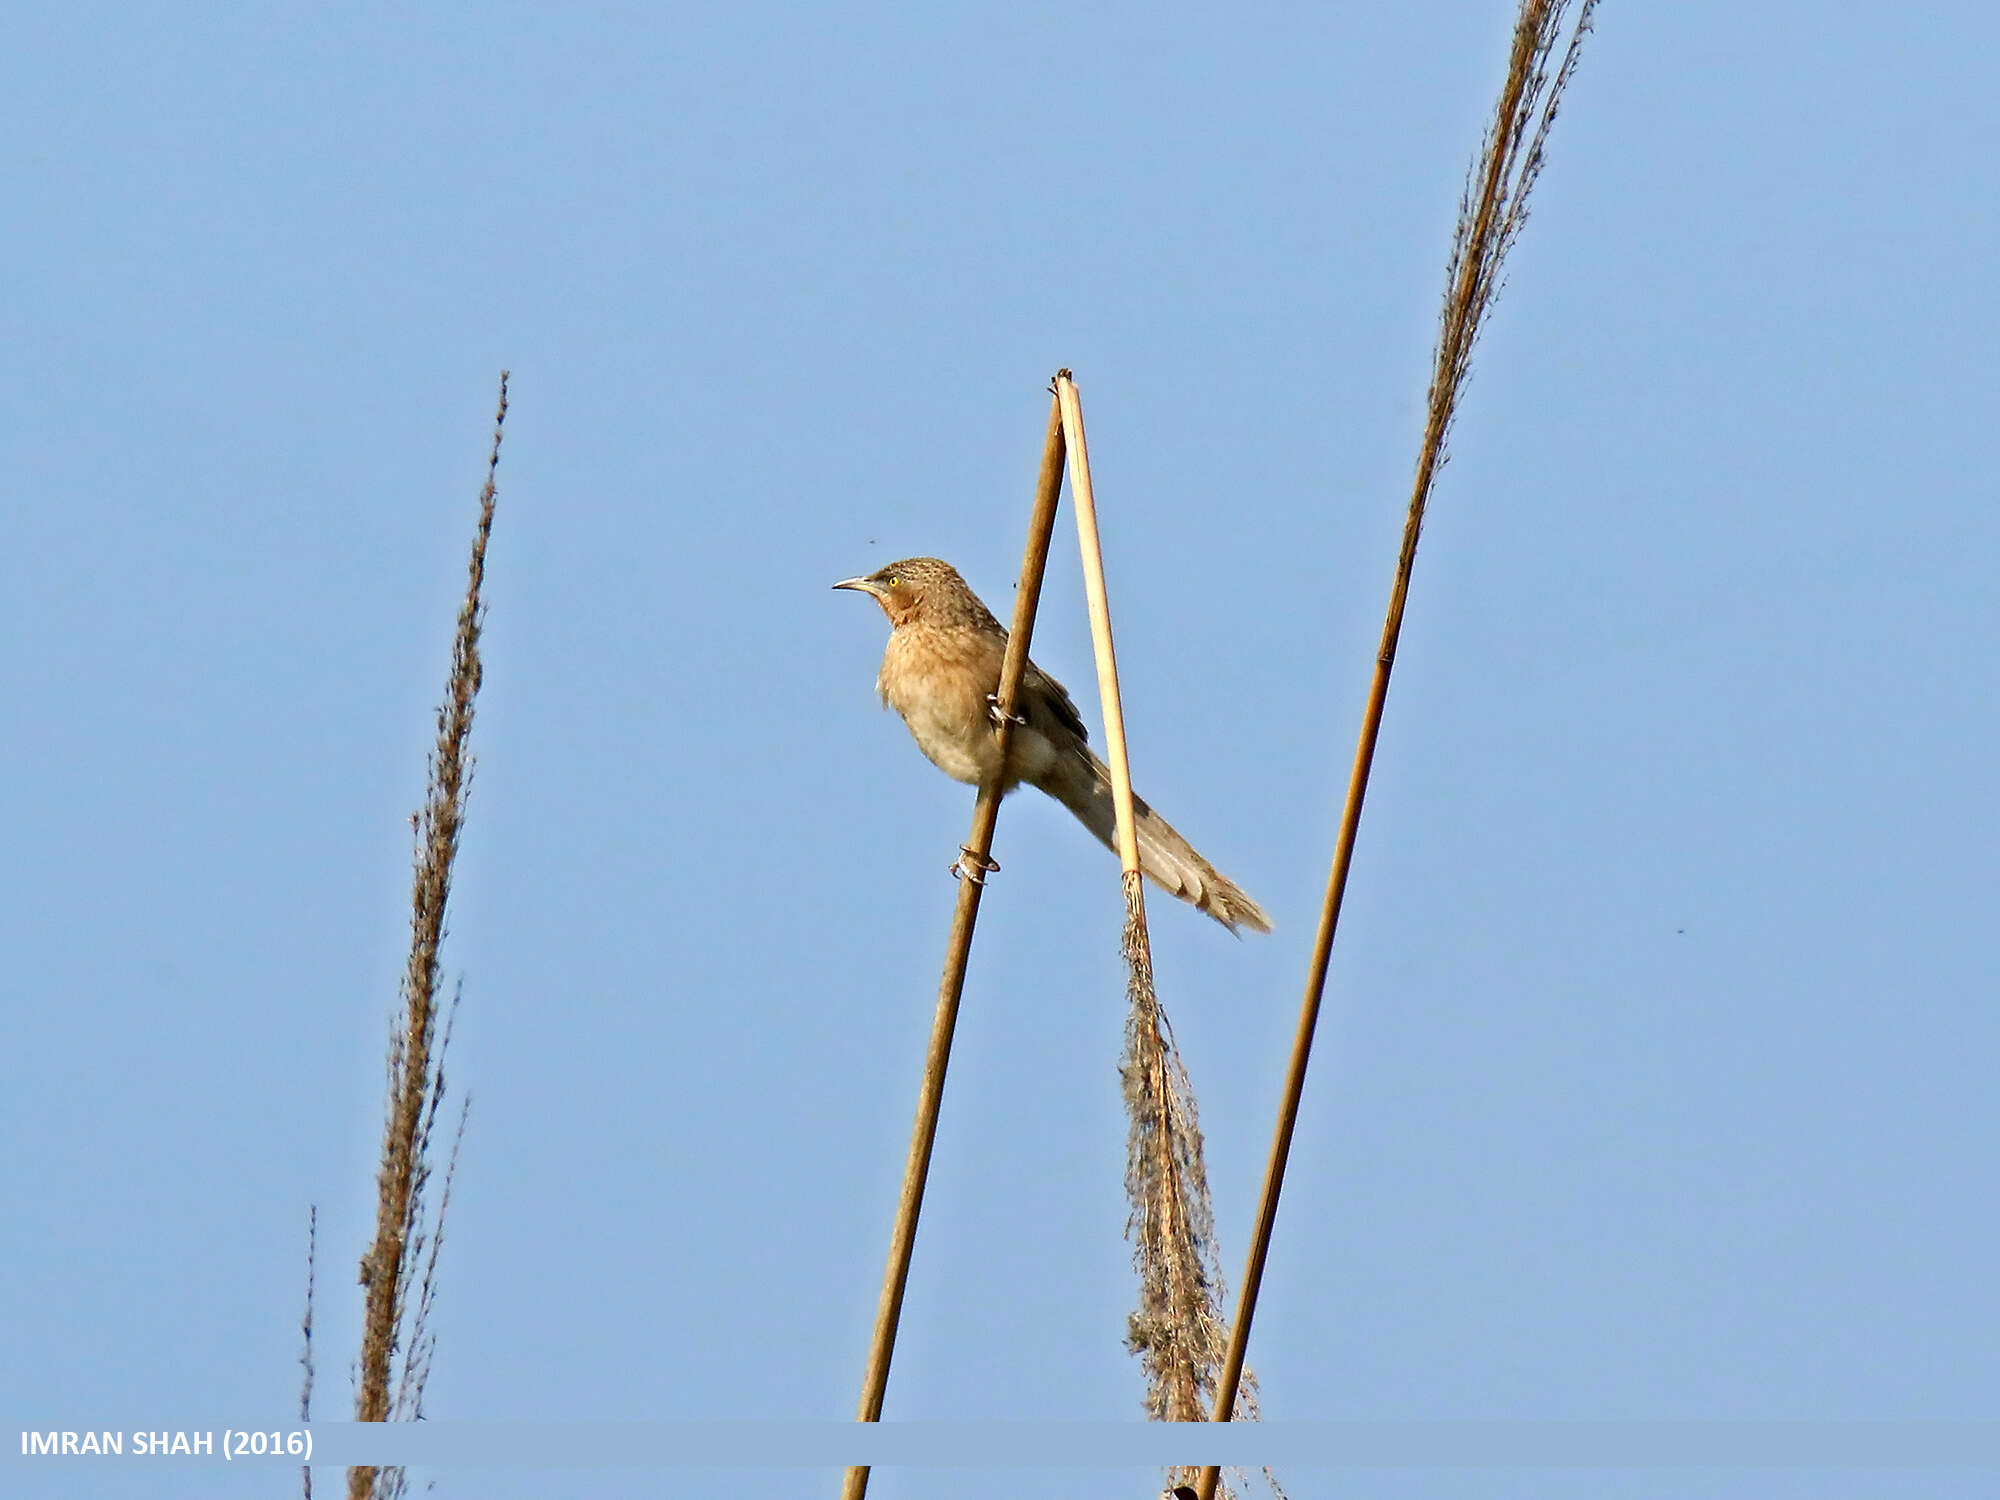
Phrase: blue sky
(1656, 1079)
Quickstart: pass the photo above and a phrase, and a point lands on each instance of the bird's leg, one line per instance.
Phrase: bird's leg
(972, 866)
(993, 712)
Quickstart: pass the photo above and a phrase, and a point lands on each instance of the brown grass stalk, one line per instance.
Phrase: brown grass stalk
(399, 1277)
(1492, 211)
(1177, 1329)
(958, 949)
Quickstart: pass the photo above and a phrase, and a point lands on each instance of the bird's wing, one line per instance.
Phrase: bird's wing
(1041, 692)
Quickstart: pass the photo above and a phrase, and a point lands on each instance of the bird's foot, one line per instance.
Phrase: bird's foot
(993, 712)
(972, 866)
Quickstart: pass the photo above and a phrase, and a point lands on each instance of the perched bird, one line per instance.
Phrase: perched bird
(942, 672)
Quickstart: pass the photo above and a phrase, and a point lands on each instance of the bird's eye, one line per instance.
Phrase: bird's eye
(896, 582)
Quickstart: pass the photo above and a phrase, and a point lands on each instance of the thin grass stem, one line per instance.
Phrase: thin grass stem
(958, 948)
(1492, 211)
(306, 1339)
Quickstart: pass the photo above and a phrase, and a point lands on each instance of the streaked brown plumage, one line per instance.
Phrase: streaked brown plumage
(940, 673)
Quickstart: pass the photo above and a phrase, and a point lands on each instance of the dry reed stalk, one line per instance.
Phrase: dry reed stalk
(1492, 211)
(976, 858)
(1071, 406)
(1177, 1329)
(393, 1318)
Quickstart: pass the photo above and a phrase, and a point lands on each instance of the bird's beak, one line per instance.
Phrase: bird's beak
(861, 585)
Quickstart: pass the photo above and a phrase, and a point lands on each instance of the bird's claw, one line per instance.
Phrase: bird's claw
(973, 866)
(993, 712)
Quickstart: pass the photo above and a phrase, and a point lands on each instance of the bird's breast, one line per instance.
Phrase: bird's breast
(939, 681)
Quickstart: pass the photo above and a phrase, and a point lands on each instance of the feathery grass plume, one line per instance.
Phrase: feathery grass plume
(1177, 1329)
(1492, 210)
(428, 1241)
(306, 1331)
(400, 1295)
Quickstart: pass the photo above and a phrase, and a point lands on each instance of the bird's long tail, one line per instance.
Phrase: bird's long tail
(1082, 783)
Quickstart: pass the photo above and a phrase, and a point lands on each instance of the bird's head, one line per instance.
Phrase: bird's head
(902, 588)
